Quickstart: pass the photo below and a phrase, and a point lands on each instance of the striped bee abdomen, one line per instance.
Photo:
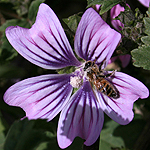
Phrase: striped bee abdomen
(106, 87)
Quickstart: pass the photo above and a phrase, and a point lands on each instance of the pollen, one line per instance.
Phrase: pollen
(76, 81)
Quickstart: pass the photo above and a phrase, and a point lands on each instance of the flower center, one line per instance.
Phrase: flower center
(76, 79)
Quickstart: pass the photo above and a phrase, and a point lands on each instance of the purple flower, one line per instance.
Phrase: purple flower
(144, 2)
(46, 45)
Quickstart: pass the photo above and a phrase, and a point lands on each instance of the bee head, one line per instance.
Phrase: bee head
(88, 64)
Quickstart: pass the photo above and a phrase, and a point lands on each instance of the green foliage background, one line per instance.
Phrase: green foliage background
(22, 134)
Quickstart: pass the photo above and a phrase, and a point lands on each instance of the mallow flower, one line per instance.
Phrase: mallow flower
(82, 113)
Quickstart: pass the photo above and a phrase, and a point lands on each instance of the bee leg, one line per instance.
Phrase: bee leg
(110, 74)
(107, 75)
(103, 76)
(102, 63)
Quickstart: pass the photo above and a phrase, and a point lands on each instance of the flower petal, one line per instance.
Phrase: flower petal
(81, 117)
(45, 44)
(94, 38)
(144, 2)
(114, 12)
(125, 59)
(40, 97)
(130, 89)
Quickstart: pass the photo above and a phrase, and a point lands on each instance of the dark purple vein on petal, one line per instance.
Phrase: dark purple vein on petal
(64, 92)
(34, 43)
(60, 38)
(90, 38)
(44, 38)
(74, 110)
(93, 52)
(81, 40)
(58, 41)
(46, 63)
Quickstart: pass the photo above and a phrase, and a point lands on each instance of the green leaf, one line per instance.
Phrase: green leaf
(67, 70)
(26, 135)
(36, 134)
(107, 139)
(7, 52)
(130, 132)
(141, 57)
(127, 17)
(2, 137)
(11, 71)
(147, 25)
(147, 22)
(146, 40)
(72, 22)
(106, 4)
(33, 9)
(21, 6)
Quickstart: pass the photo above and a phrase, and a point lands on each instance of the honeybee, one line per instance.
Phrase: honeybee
(97, 77)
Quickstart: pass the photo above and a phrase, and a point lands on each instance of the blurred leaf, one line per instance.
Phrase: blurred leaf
(147, 25)
(107, 138)
(147, 22)
(141, 57)
(33, 9)
(106, 4)
(13, 22)
(130, 132)
(133, 27)
(21, 6)
(53, 145)
(10, 71)
(2, 137)
(146, 40)
(127, 17)
(67, 70)
(50, 144)
(35, 134)
(26, 135)
(72, 22)
(7, 52)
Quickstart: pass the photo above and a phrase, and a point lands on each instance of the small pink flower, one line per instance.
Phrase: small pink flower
(46, 45)
(114, 12)
(97, 7)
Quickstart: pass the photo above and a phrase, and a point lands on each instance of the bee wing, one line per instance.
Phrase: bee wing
(120, 109)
